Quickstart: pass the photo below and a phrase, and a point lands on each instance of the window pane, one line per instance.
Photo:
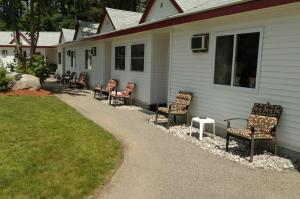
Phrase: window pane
(137, 50)
(137, 57)
(120, 53)
(223, 60)
(137, 64)
(246, 60)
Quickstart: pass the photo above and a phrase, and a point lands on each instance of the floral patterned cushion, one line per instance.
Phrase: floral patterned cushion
(263, 124)
(182, 102)
(267, 110)
(111, 85)
(246, 133)
(166, 110)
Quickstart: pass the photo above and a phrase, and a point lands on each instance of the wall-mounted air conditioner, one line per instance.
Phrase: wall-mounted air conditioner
(200, 43)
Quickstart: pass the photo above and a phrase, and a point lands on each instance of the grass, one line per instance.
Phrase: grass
(48, 150)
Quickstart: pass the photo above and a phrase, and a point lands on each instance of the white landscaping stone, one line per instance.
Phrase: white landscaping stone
(238, 152)
(27, 82)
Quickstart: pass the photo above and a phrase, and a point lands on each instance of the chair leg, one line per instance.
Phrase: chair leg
(186, 119)
(169, 121)
(109, 100)
(115, 102)
(275, 147)
(94, 93)
(156, 117)
(227, 142)
(252, 148)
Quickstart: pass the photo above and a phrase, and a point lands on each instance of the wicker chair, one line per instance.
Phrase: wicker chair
(105, 90)
(179, 107)
(124, 95)
(261, 125)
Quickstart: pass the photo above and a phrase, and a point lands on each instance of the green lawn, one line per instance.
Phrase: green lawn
(48, 150)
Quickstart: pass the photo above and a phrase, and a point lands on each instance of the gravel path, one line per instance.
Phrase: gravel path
(159, 165)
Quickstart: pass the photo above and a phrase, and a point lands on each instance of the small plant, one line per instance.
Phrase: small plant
(4, 80)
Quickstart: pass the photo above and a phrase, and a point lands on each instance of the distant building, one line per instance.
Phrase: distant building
(46, 46)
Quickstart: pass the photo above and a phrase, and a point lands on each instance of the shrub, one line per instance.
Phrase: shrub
(4, 80)
(37, 66)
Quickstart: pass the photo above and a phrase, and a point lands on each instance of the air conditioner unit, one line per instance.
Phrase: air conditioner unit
(4, 52)
(94, 51)
(200, 43)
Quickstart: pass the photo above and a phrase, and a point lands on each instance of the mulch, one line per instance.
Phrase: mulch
(40, 92)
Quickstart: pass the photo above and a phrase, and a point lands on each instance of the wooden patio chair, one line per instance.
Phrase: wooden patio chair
(123, 95)
(105, 90)
(81, 82)
(261, 125)
(177, 108)
(66, 77)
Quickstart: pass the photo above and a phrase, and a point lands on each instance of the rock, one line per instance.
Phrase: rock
(27, 82)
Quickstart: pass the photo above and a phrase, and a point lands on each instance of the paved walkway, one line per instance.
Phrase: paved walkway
(158, 165)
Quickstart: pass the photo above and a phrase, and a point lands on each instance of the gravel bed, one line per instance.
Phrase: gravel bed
(238, 152)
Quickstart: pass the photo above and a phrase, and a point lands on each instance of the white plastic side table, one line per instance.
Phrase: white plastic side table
(202, 123)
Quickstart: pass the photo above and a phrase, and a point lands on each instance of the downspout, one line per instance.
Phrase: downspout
(170, 64)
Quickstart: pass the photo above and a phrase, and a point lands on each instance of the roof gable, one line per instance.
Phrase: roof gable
(23, 39)
(158, 9)
(66, 35)
(115, 19)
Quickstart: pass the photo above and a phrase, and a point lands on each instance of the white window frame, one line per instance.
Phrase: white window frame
(88, 60)
(235, 33)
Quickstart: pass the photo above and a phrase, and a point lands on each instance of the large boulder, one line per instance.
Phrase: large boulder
(27, 82)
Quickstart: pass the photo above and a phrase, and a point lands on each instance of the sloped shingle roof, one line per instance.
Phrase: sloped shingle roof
(45, 38)
(200, 5)
(88, 28)
(122, 19)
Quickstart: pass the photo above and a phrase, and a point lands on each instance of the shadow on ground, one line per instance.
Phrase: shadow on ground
(57, 88)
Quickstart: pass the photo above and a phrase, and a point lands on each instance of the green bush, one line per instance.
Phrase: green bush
(4, 80)
(38, 66)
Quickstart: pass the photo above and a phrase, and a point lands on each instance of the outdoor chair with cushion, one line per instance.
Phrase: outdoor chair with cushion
(177, 108)
(105, 89)
(261, 125)
(123, 95)
(81, 82)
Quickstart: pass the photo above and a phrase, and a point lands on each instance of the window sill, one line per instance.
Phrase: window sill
(235, 89)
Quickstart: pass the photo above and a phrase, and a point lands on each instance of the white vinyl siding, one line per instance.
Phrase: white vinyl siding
(161, 9)
(142, 79)
(279, 73)
(160, 67)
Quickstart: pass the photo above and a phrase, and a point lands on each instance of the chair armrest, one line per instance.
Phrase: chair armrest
(231, 119)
